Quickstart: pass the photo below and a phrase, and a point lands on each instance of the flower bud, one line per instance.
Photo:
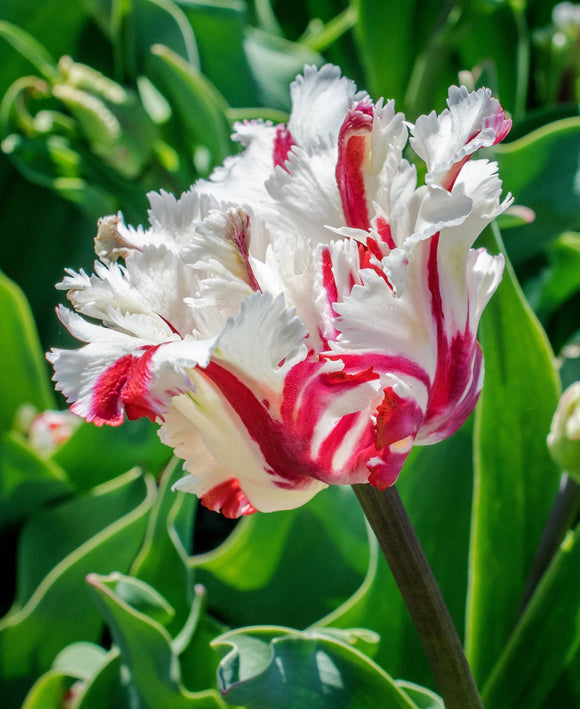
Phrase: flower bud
(564, 437)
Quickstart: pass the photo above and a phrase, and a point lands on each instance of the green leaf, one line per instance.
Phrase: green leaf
(527, 670)
(27, 481)
(403, 50)
(140, 596)
(29, 48)
(163, 22)
(199, 106)
(59, 611)
(163, 561)
(211, 22)
(54, 534)
(93, 454)
(146, 651)
(106, 687)
(48, 692)
(515, 479)
(541, 170)
(266, 571)
(23, 372)
(275, 62)
(80, 660)
(267, 667)
(562, 277)
(423, 698)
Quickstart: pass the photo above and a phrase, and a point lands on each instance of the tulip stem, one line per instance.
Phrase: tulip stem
(561, 519)
(410, 568)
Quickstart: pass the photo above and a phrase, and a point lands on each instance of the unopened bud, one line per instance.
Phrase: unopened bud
(564, 436)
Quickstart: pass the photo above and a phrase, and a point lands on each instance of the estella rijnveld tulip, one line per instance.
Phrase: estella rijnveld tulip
(306, 315)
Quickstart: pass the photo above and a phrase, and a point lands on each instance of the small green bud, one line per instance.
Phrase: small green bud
(564, 437)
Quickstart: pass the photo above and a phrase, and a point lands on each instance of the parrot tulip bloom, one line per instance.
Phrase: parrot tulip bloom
(308, 314)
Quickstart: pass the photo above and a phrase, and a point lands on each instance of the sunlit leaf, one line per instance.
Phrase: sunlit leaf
(526, 671)
(516, 481)
(57, 612)
(23, 372)
(267, 667)
(146, 650)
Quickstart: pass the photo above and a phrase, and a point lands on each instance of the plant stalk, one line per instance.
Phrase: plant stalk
(561, 519)
(410, 568)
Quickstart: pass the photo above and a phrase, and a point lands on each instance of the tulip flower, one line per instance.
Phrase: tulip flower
(309, 313)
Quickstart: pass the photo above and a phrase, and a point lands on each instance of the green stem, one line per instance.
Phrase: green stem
(561, 519)
(410, 568)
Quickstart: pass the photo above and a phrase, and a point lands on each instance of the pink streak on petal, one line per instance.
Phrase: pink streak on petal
(386, 470)
(122, 388)
(106, 405)
(352, 147)
(499, 123)
(136, 392)
(383, 363)
(228, 498)
(384, 229)
(328, 280)
(455, 386)
(283, 452)
(397, 418)
(448, 180)
(283, 142)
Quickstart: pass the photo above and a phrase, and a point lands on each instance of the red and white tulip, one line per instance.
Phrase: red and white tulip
(308, 314)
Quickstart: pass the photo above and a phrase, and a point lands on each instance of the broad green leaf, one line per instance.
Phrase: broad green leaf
(153, 22)
(163, 561)
(53, 534)
(140, 596)
(403, 51)
(146, 651)
(27, 481)
(290, 567)
(106, 688)
(541, 170)
(48, 692)
(211, 22)
(423, 698)
(80, 660)
(545, 639)
(60, 611)
(515, 479)
(94, 454)
(267, 667)
(200, 108)
(436, 488)
(275, 62)
(23, 372)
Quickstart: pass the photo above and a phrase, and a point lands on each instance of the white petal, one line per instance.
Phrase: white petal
(472, 121)
(320, 99)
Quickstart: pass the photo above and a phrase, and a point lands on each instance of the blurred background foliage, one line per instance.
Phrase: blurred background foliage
(104, 100)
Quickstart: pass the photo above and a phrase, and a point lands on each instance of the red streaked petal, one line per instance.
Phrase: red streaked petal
(352, 148)
(135, 394)
(106, 404)
(228, 498)
(397, 418)
(122, 389)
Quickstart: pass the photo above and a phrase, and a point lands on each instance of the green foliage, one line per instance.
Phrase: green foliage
(275, 667)
(104, 100)
(515, 479)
